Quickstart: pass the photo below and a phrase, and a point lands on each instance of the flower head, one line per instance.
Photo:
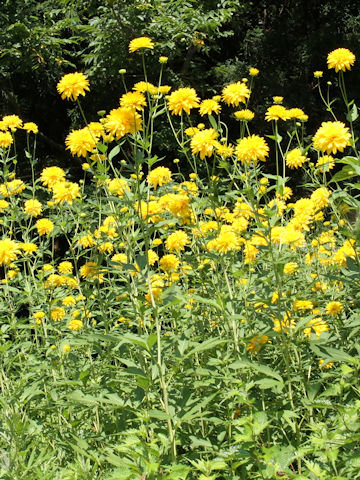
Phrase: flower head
(135, 100)
(121, 121)
(44, 226)
(75, 325)
(177, 241)
(159, 176)
(8, 251)
(252, 148)
(72, 85)
(33, 207)
(12, 122)
(341, 59)
(295, 158)
(253, 72)
(246, 115)
(332, 137)
(209, 106)
(203, 142)
(6, 139)
(80, 142)
(183, 100)
(52, 175)
(140, 42)
(334, 308)
(31, 127)
(325, 163)
(276, 112)
(235, 93)
(66, 192)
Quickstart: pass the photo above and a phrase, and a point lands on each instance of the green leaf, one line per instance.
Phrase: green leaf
(353, 114)
(213, 122)
(113, 152)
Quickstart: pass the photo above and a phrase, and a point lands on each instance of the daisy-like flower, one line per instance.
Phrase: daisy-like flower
(33, 207)
(57, 314)
(177, 241)
(44, 226)
(80, 142)
(145, 87)
(334, 308)
(72, 85)
(159, 176)
(252, 149)
(31, 127)
(139, 43)
(65, 192)
(332, 137)
(235, 93)
(12, 122)
(8, 251)
(257, 343)
(75, 325)
(52, 175)
(65, 267)
(290, 268)
(295, 158)
(246, 115)
(207, 107)
(11, 188)
(297, 114)
(253, 72)
(121, 121)
(133, 100)
(325, 163)
(169, 263)
(6, 139)
(276, 112)
(28, 247)
(318, 74)
(203, 142)
(320, 197)
(183, 100)
(341, 59)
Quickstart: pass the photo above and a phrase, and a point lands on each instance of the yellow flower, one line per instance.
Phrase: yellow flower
(145, 87)
(252, 148)
(66, 192)
(190, 131)
(66, 348)
(320, 197)
(28, 247)
(209, 106)
(65, 267)
(286, 325)
(133, 100)
(290, 268)
(257, 343)
(69, 301)
(117, 186)
(276, 112)
(163, 59)
(246, 115)
(332, 137)
(203, 142)
(169, 263)
(121, 121)
(13, 122)
(52, 175)
(92, 271)
(295, 158)
(159, 176)
(226, 241)
(80, 142)
(57, 314)
(297, 114)
(278, 99)
(224, 151)
(140, 42)
(326, 365)
(6, 139)
(72, 85)
(31, 127)
(318, 74)
(341, 59)
(119, 258)
(325, 163)
(334, 308)
(318, 325)
(177, 241)
(253, 72)
(39, 315)
(44, 226)
(8, 251)
(183, 100)
(14, 187)
(86, 241)
(235, 93)
(33, 207)
(152, 257)
(75, 325)
(303, 305)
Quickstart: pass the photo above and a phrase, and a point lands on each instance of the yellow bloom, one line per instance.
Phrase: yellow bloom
(295, 158)
(31, 127)
(86, 241)
(297, 114)
(290, 268)
(177, 241)
(28, 247)
(72, 85)
(257, 343)
(80, 142)
(318, 325)
(226, 241)
(163, 59)
(224, 151)
(169, 263)
(133, 100)
(33, 207)
(6, 139)
(13, 122)
(57, 314)
(121, 121)
(246, 115)
(152, 257)
(253, 72)
(320, 197)
(52, 175)
(303, 305)
(183, 100)
(65, 267)
(66, 192)
(119, 258)
(140, 42)
(8, 251)
(203, 142)
(44, 226)
(69, 301)
(276, 112)
(159, 176)
(235, 93)
(286, 325)
(75, 325)
(145, 87)
(341, 59)
(92, 271)
(190, 131)
(325, 163)
(326, 365)
(209, 106)
(66, 348)
(318, 74)
(39, 315)
(332, 137)
(251, 149)
(278, 99)
(334, 308)
(9, 189)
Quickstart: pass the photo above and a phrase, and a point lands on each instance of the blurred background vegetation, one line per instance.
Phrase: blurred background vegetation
(209, 44)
